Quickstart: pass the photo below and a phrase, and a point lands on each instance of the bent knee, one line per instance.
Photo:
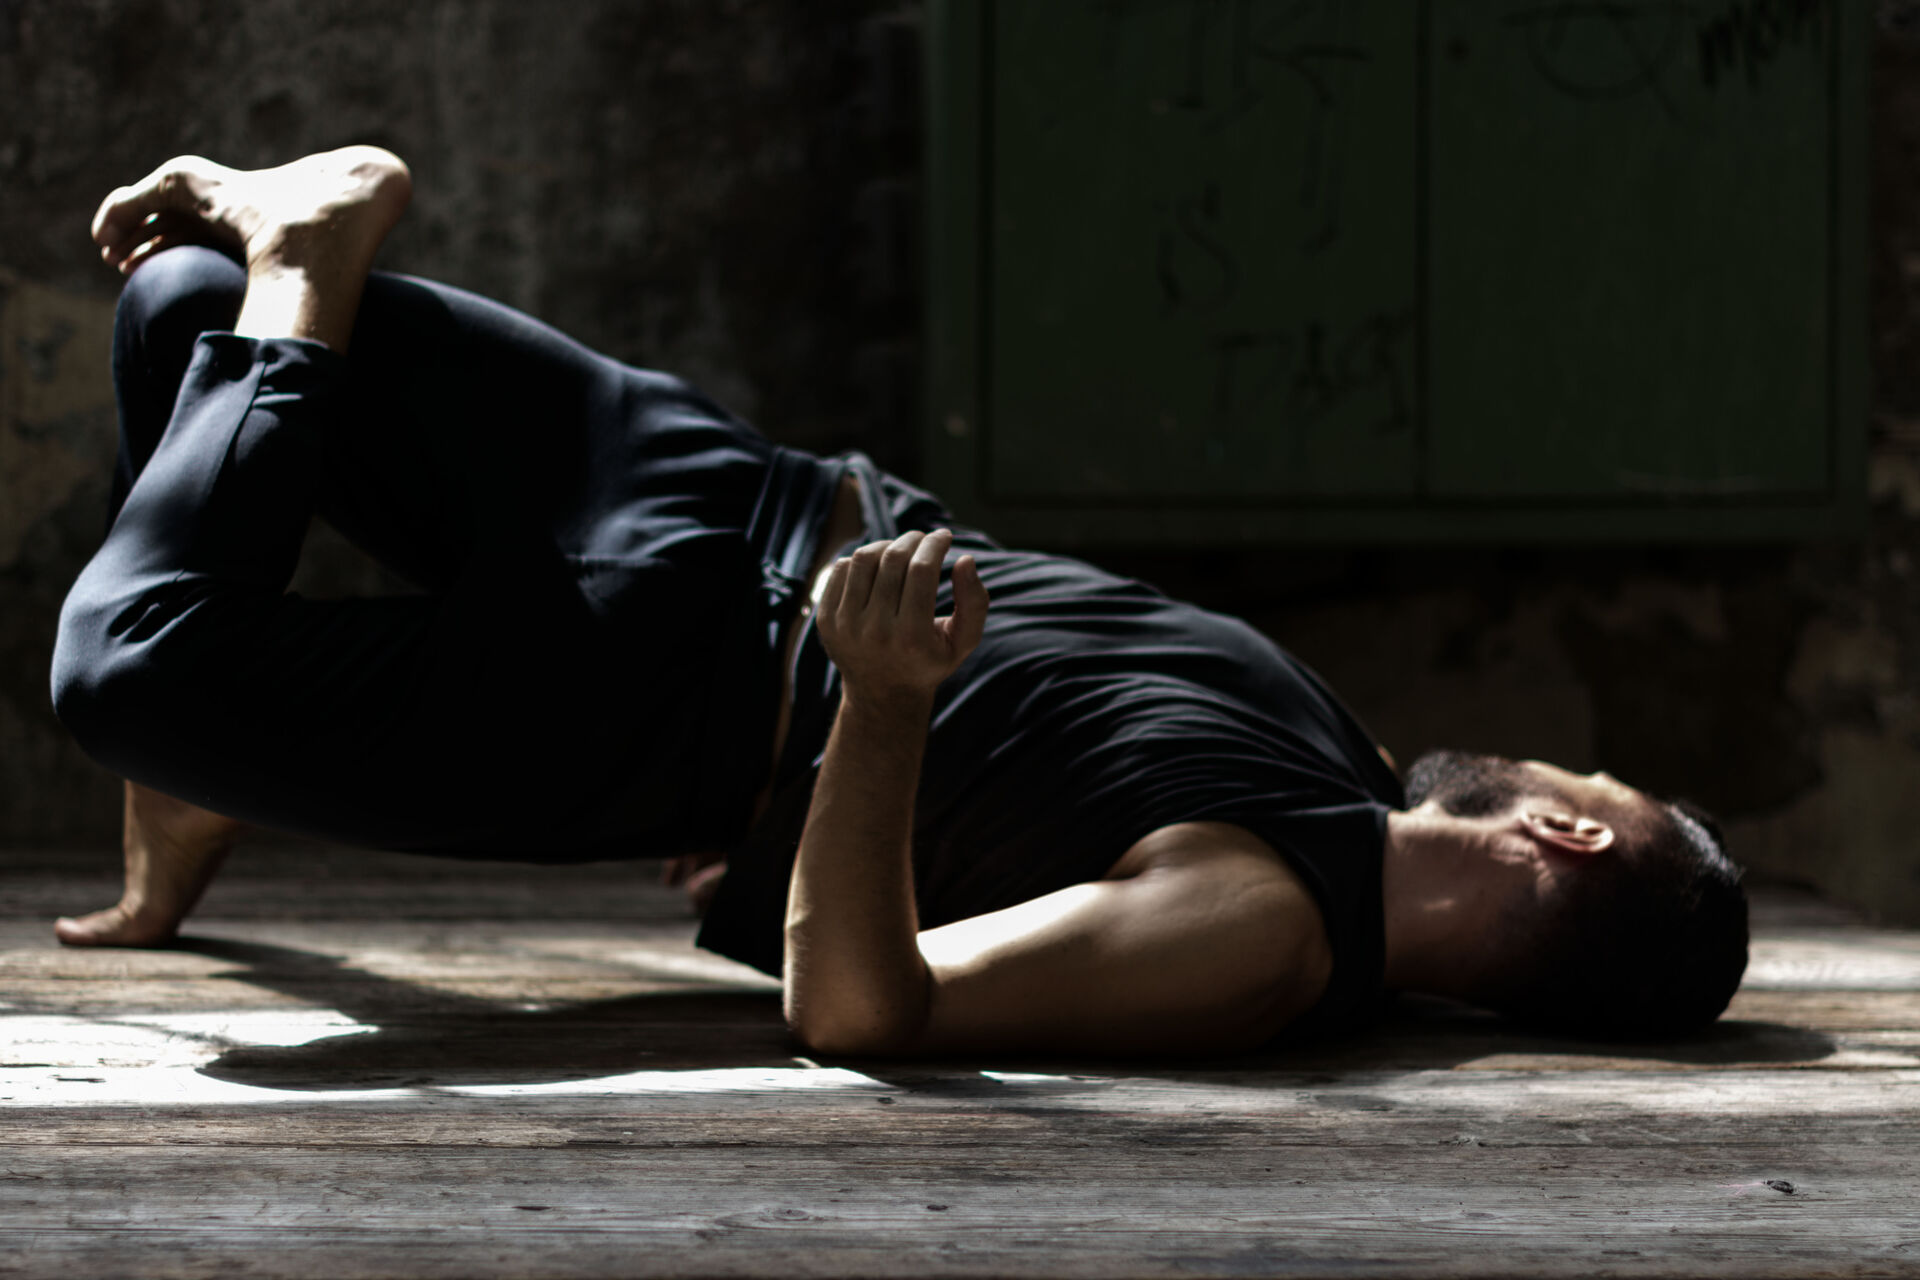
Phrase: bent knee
(85, 691)
(178, 294)
(107, 692)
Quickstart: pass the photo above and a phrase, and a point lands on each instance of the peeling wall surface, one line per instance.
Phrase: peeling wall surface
(724, 188)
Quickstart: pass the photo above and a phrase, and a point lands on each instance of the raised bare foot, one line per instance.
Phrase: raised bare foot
(340, 202)
(172, 850)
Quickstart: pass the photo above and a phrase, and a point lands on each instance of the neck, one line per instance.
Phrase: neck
(1430, 911)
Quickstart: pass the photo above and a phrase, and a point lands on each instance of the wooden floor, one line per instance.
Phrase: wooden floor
(386, 1066)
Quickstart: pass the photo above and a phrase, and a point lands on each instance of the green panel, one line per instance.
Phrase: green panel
(1630, 235)
(1209, 271)
(1201, 277)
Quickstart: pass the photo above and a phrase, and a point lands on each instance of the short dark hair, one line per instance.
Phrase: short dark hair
(1646, 944)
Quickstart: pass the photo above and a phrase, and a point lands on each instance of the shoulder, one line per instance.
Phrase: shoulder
(1271, 952)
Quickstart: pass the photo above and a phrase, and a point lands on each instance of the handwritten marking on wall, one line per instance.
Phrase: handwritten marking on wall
(1303, 375)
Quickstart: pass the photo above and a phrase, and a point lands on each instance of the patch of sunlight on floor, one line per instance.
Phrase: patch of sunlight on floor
(696, 1080)
(1878, 962)
(155, 1059)
(161, 1039)
(188, 1087)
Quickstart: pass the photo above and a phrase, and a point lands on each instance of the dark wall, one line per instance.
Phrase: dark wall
(701, 185)
(724, 188)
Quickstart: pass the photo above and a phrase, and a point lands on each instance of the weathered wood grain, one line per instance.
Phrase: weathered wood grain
(1042, 1210)
(579, 1124)
(370, 1066)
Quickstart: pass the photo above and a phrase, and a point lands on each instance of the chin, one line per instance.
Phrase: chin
(1463, 784)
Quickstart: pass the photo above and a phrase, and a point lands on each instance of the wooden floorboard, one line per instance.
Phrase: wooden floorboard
(382, 1066)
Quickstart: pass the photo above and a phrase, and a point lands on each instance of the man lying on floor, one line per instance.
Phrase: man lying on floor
(1085, 819)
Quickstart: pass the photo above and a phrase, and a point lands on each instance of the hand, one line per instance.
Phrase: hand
(875, 616)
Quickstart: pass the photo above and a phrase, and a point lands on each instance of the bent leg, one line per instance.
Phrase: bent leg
(171, 848)
(182, 664)
(386, 482)
(408, 722)
(163, 310)
(519, 709)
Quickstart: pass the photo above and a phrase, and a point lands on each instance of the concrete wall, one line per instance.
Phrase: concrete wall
(719, 187)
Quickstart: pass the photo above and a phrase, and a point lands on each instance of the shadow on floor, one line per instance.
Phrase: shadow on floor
(1417, 1032)
(424, 1036)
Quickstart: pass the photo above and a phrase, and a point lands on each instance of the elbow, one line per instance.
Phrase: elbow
(841, 1041)
(854, 1042)
(854, 1031)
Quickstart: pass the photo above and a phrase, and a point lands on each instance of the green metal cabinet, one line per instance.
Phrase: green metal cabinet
(1209, 271)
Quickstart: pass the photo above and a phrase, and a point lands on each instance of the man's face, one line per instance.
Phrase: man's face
(1475, 786)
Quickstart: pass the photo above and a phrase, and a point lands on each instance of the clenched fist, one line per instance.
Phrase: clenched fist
(875, 616)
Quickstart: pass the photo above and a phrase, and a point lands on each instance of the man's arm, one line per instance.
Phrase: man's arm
(855, 980)
(1200, 940)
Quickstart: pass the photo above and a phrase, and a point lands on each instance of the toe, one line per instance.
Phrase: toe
(76, 933)
(114, 927)
(122, 214)
(108, 217)
(173, 189)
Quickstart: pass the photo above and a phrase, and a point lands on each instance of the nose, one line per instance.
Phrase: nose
(1612, 783)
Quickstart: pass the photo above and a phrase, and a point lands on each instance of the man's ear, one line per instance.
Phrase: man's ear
(1567, 832)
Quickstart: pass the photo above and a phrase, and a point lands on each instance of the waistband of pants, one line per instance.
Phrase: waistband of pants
(742, 704)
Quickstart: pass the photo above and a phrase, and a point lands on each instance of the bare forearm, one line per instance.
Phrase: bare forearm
(855, 980)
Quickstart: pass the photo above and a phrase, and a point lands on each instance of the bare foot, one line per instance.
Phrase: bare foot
(172, 850)
(341, 202)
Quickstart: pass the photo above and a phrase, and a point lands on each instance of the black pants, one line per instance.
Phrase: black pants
(605, 561)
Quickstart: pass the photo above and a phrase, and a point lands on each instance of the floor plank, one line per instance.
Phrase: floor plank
(785, 1210)
(370, 1066)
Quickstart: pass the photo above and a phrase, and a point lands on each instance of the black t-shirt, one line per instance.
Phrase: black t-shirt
(1095, 711)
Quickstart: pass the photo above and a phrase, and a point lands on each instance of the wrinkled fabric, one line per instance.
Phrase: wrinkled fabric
(604, 558)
